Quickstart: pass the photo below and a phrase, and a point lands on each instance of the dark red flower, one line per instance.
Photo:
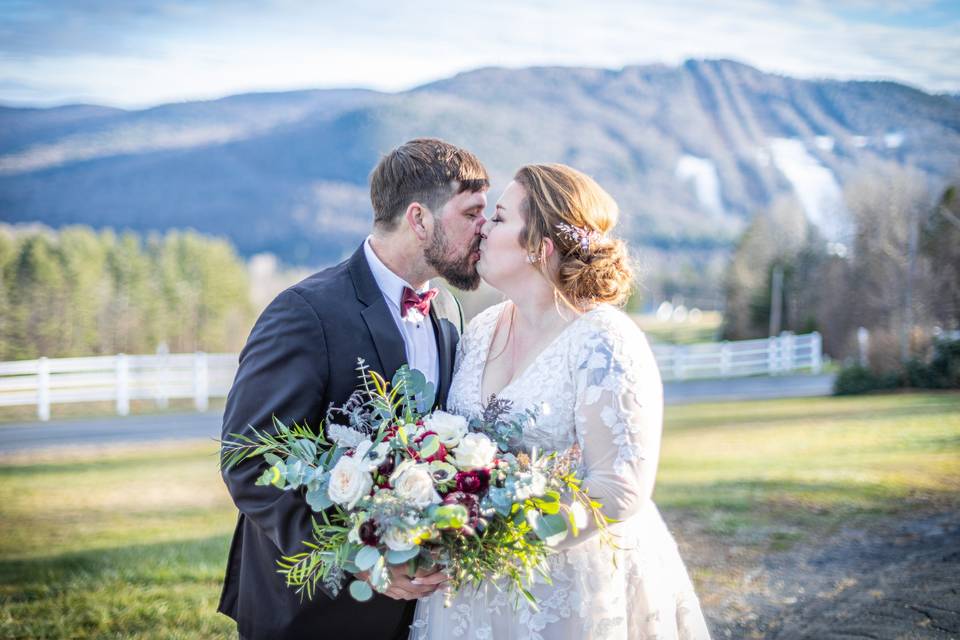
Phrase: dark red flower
(386, 467)
(475, 481)
(368, 533)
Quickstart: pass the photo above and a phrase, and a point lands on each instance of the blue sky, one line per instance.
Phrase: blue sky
(135, 53)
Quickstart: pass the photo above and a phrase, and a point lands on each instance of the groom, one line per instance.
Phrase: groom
(428, 200)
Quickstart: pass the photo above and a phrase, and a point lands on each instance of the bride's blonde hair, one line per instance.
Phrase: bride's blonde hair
(565, 205)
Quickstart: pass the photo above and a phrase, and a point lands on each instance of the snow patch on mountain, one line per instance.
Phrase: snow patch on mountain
(702, 173)
(815, 186)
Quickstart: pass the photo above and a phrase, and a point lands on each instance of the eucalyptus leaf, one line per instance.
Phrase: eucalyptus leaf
(267, 477)
(399, 557)
(366, 558)
(450, 516)
(429, 446)
(360, 591)
(426, 398)
(305, 449)
(278, 475)
(272, 458)
(315, 478)
(295, 472)
(416, 380)
(318, 498)
(501, 501)
(550, 528)
(379, 576)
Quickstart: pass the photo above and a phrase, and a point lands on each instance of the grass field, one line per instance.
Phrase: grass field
(69, 411)
(128, 543)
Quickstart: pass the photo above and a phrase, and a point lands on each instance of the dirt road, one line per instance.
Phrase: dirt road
(894, 579)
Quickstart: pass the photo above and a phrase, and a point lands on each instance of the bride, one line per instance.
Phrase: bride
(560, 345)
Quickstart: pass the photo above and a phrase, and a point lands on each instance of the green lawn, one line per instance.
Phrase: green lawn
(131, 544)
(794, 468)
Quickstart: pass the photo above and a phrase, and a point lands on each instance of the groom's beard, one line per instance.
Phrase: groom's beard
(460, 271)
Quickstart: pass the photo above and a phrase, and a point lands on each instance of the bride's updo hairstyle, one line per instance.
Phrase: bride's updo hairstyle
(571, 209)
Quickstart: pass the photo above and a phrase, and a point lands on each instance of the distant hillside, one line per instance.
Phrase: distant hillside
(690, 152)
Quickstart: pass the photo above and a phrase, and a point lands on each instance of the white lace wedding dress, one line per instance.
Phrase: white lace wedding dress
(596, 384)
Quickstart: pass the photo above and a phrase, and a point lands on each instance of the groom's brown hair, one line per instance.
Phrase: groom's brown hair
(425, 170)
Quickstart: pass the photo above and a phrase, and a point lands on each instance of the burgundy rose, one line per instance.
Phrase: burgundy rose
(386, 467)
(475, 481)
(368, 533)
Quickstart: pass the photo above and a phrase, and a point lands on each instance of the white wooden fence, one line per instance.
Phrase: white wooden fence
(786, 353)
(201, 376)
(118, 379)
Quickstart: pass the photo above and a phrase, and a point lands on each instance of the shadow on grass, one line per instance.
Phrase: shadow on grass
(168, 563)
(775, 515)
(164, 591)
(132, 461)
(795, 411)
(795, 497)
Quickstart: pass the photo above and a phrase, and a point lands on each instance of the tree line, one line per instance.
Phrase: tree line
(77, 292)
(897, 275)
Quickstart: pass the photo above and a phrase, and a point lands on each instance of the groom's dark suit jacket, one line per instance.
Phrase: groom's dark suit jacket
(299, 360)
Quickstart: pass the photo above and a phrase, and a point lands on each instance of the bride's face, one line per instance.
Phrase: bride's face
(502, 258)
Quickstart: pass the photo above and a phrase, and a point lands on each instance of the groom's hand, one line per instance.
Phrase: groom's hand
(402, 587)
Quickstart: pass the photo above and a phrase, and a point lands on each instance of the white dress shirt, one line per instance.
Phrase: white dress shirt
(418, 337)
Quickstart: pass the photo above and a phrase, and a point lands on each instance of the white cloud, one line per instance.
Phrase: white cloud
(222, 49)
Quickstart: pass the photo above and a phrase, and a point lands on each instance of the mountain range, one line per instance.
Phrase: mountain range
(691, 152)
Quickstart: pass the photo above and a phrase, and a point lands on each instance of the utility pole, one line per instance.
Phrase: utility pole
(776, 300)
(906, 316)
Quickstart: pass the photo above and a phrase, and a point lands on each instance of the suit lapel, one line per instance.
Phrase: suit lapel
(447, 323)
(383, 330)
(446, 352)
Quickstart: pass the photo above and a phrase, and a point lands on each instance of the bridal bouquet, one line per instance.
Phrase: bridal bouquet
(394, 484)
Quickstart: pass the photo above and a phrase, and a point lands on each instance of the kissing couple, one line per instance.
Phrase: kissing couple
(558, 344)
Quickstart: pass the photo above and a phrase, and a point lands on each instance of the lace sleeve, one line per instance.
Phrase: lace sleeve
(618, 417)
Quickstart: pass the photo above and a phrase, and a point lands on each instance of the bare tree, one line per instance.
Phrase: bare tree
(887, 205)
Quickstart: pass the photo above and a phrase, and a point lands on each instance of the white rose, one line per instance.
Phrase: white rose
(474, 451)
(449, 428)
(398, 539)
(349, 481)
(415, 485)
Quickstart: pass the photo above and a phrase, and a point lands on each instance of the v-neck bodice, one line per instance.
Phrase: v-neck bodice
(546, 385)
(487, 344)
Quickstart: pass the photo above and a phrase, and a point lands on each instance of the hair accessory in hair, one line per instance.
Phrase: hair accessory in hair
(578, 235)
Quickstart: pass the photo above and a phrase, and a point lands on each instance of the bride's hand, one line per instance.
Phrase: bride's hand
(402, 587)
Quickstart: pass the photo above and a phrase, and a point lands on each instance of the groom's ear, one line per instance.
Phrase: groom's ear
(417, 218)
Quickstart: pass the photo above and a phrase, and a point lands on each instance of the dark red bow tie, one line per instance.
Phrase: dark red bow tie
(413, 300)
